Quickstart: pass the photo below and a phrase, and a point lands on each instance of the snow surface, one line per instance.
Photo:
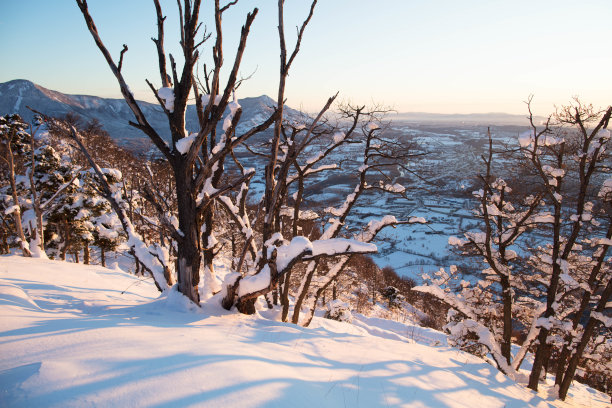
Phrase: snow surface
(167, 95)
(76, 336)
(183, 145)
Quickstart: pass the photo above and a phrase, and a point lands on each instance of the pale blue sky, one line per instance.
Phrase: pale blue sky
(461, 56)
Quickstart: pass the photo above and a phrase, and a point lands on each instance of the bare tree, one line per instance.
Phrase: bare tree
(196, 159)
(591, 138)
(296, 164)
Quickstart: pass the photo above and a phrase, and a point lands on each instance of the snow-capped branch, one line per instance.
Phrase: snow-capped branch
(284, 257)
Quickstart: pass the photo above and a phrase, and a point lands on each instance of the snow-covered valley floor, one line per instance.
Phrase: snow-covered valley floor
(81, 336)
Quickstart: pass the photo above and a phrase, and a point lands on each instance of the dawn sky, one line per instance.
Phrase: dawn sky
(438, 56)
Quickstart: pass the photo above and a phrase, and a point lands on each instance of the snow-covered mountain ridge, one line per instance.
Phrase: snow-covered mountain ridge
(114, 114)
(74, 335)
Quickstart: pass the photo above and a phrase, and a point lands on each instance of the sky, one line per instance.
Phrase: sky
(440, 56)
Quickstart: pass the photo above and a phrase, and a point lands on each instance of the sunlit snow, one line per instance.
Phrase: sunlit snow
(74, 336)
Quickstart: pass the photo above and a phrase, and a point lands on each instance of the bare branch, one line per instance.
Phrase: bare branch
(159, 43)
(228, 5)
(125, 91)
(159, 100)
(123, 51)
(300, 34)
(229, 86)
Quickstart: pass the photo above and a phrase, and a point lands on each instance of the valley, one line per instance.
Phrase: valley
(439, 190)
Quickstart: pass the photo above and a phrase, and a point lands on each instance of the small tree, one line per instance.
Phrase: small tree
(14, 140)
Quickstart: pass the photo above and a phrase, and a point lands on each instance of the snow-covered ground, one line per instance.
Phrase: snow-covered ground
(80, 336)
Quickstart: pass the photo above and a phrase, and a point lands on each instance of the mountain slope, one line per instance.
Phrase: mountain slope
(74, 335)
(114, 114)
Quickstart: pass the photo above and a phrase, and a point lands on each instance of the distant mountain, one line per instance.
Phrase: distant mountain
(470, 118)
(114, 114)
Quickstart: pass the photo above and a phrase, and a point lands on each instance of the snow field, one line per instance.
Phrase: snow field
(76, 336)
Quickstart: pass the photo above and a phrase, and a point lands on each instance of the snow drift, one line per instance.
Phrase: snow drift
(74, 336)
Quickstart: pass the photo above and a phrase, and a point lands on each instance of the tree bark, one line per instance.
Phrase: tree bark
(506, 345)
(285, 295)
(586, 337)
(188, 261)
(86, 253)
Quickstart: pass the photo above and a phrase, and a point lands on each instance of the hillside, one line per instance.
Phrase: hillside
(74, 336)
(113, 114)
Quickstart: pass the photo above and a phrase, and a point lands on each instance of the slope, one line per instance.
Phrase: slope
(74, 336)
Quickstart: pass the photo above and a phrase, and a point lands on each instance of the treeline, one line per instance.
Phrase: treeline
(50, 200)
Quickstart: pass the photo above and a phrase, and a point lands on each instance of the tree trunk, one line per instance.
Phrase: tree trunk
(301, 296)
(570, 372)
(572, 365)
(246, 307)
(506, 346)
(188, 261)
(538, 361)
(285, 295)
(65, 232)
(234, 252)
(39, 233)
(275, 296)
(208, 248)
(561, 362)
(543, 350)
(102, 257)
(86, 254)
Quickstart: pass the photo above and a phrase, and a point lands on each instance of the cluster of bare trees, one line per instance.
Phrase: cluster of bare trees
(558, 289)
(268, 238)
(289, 255)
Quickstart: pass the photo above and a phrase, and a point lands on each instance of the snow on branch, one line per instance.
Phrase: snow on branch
(485, 338)
(460, 328)
(449, 298)
(167, 96)
(285, 256)
(301, 248)
(607, 321)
